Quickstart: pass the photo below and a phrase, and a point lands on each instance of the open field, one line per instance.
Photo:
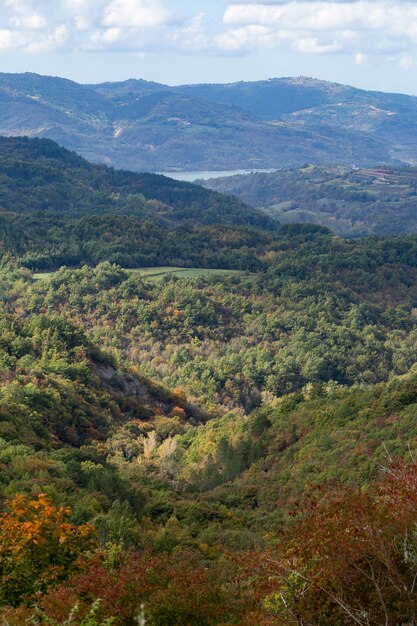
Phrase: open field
(42, 275)
(157, 273)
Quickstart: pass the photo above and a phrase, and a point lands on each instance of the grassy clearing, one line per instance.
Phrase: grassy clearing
(42, 275)
(157, 273)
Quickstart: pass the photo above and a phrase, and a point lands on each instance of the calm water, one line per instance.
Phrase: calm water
(205, 175)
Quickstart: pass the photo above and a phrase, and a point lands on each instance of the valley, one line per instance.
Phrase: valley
(207, 393)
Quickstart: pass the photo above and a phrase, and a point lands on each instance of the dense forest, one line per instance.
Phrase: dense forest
(234, 449)
(352, 202)
(58, 209)
(211, 408)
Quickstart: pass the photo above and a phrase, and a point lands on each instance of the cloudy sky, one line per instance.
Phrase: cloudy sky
(368, 43)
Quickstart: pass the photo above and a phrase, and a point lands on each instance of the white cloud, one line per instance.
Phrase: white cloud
(32, 21)
(360, 58)
(38, 26)
(7, 39)
(135, 14)
(405, 62)
(311, 45)
(191, 35)
(108, 36)
(323, 26)
(360, 28)
(243, 38)
(53, 41)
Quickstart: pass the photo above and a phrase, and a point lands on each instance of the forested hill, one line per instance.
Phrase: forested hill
(39, 175)
(180, 422)
(263, 384)
(58, 209)
(352, 202)
(146, 126)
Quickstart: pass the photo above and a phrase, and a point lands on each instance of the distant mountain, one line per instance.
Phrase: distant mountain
(352, 202)
(146, 126)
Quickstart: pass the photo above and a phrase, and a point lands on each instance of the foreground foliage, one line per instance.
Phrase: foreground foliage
(352, 557)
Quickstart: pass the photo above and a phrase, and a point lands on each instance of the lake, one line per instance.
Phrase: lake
(205, 175)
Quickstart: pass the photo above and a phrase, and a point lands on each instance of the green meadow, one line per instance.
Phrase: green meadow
(157, 273)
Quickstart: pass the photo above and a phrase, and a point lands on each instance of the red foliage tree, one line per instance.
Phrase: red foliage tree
(175, 589)
(352, 559)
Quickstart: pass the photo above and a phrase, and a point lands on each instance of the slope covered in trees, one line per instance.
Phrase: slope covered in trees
(188, 444)
(38, 175)
(263, 385)
(58, 209)
(351, 202)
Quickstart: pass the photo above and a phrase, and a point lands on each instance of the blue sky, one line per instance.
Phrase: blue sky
(368, 43)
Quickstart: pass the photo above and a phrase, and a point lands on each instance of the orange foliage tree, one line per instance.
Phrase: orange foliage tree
(38, 547)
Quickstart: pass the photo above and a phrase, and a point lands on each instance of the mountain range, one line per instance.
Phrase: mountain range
(147, 126)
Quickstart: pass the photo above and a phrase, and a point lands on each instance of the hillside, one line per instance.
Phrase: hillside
(142, 125)
(211, 406)
(60, 396)
(58, 209)
(185, 447)
(39, 175)
(277, 97)
(318, 336)
(351, 202)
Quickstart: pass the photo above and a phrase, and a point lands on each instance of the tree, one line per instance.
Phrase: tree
(38, 547)
(352, 559)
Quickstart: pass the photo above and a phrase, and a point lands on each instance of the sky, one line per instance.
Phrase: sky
(371, 44)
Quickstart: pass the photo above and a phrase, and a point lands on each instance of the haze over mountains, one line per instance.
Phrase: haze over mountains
(278, 123)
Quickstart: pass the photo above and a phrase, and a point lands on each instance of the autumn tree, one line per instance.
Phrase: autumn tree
(175, 590)
(352, 559)
(38, 547)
